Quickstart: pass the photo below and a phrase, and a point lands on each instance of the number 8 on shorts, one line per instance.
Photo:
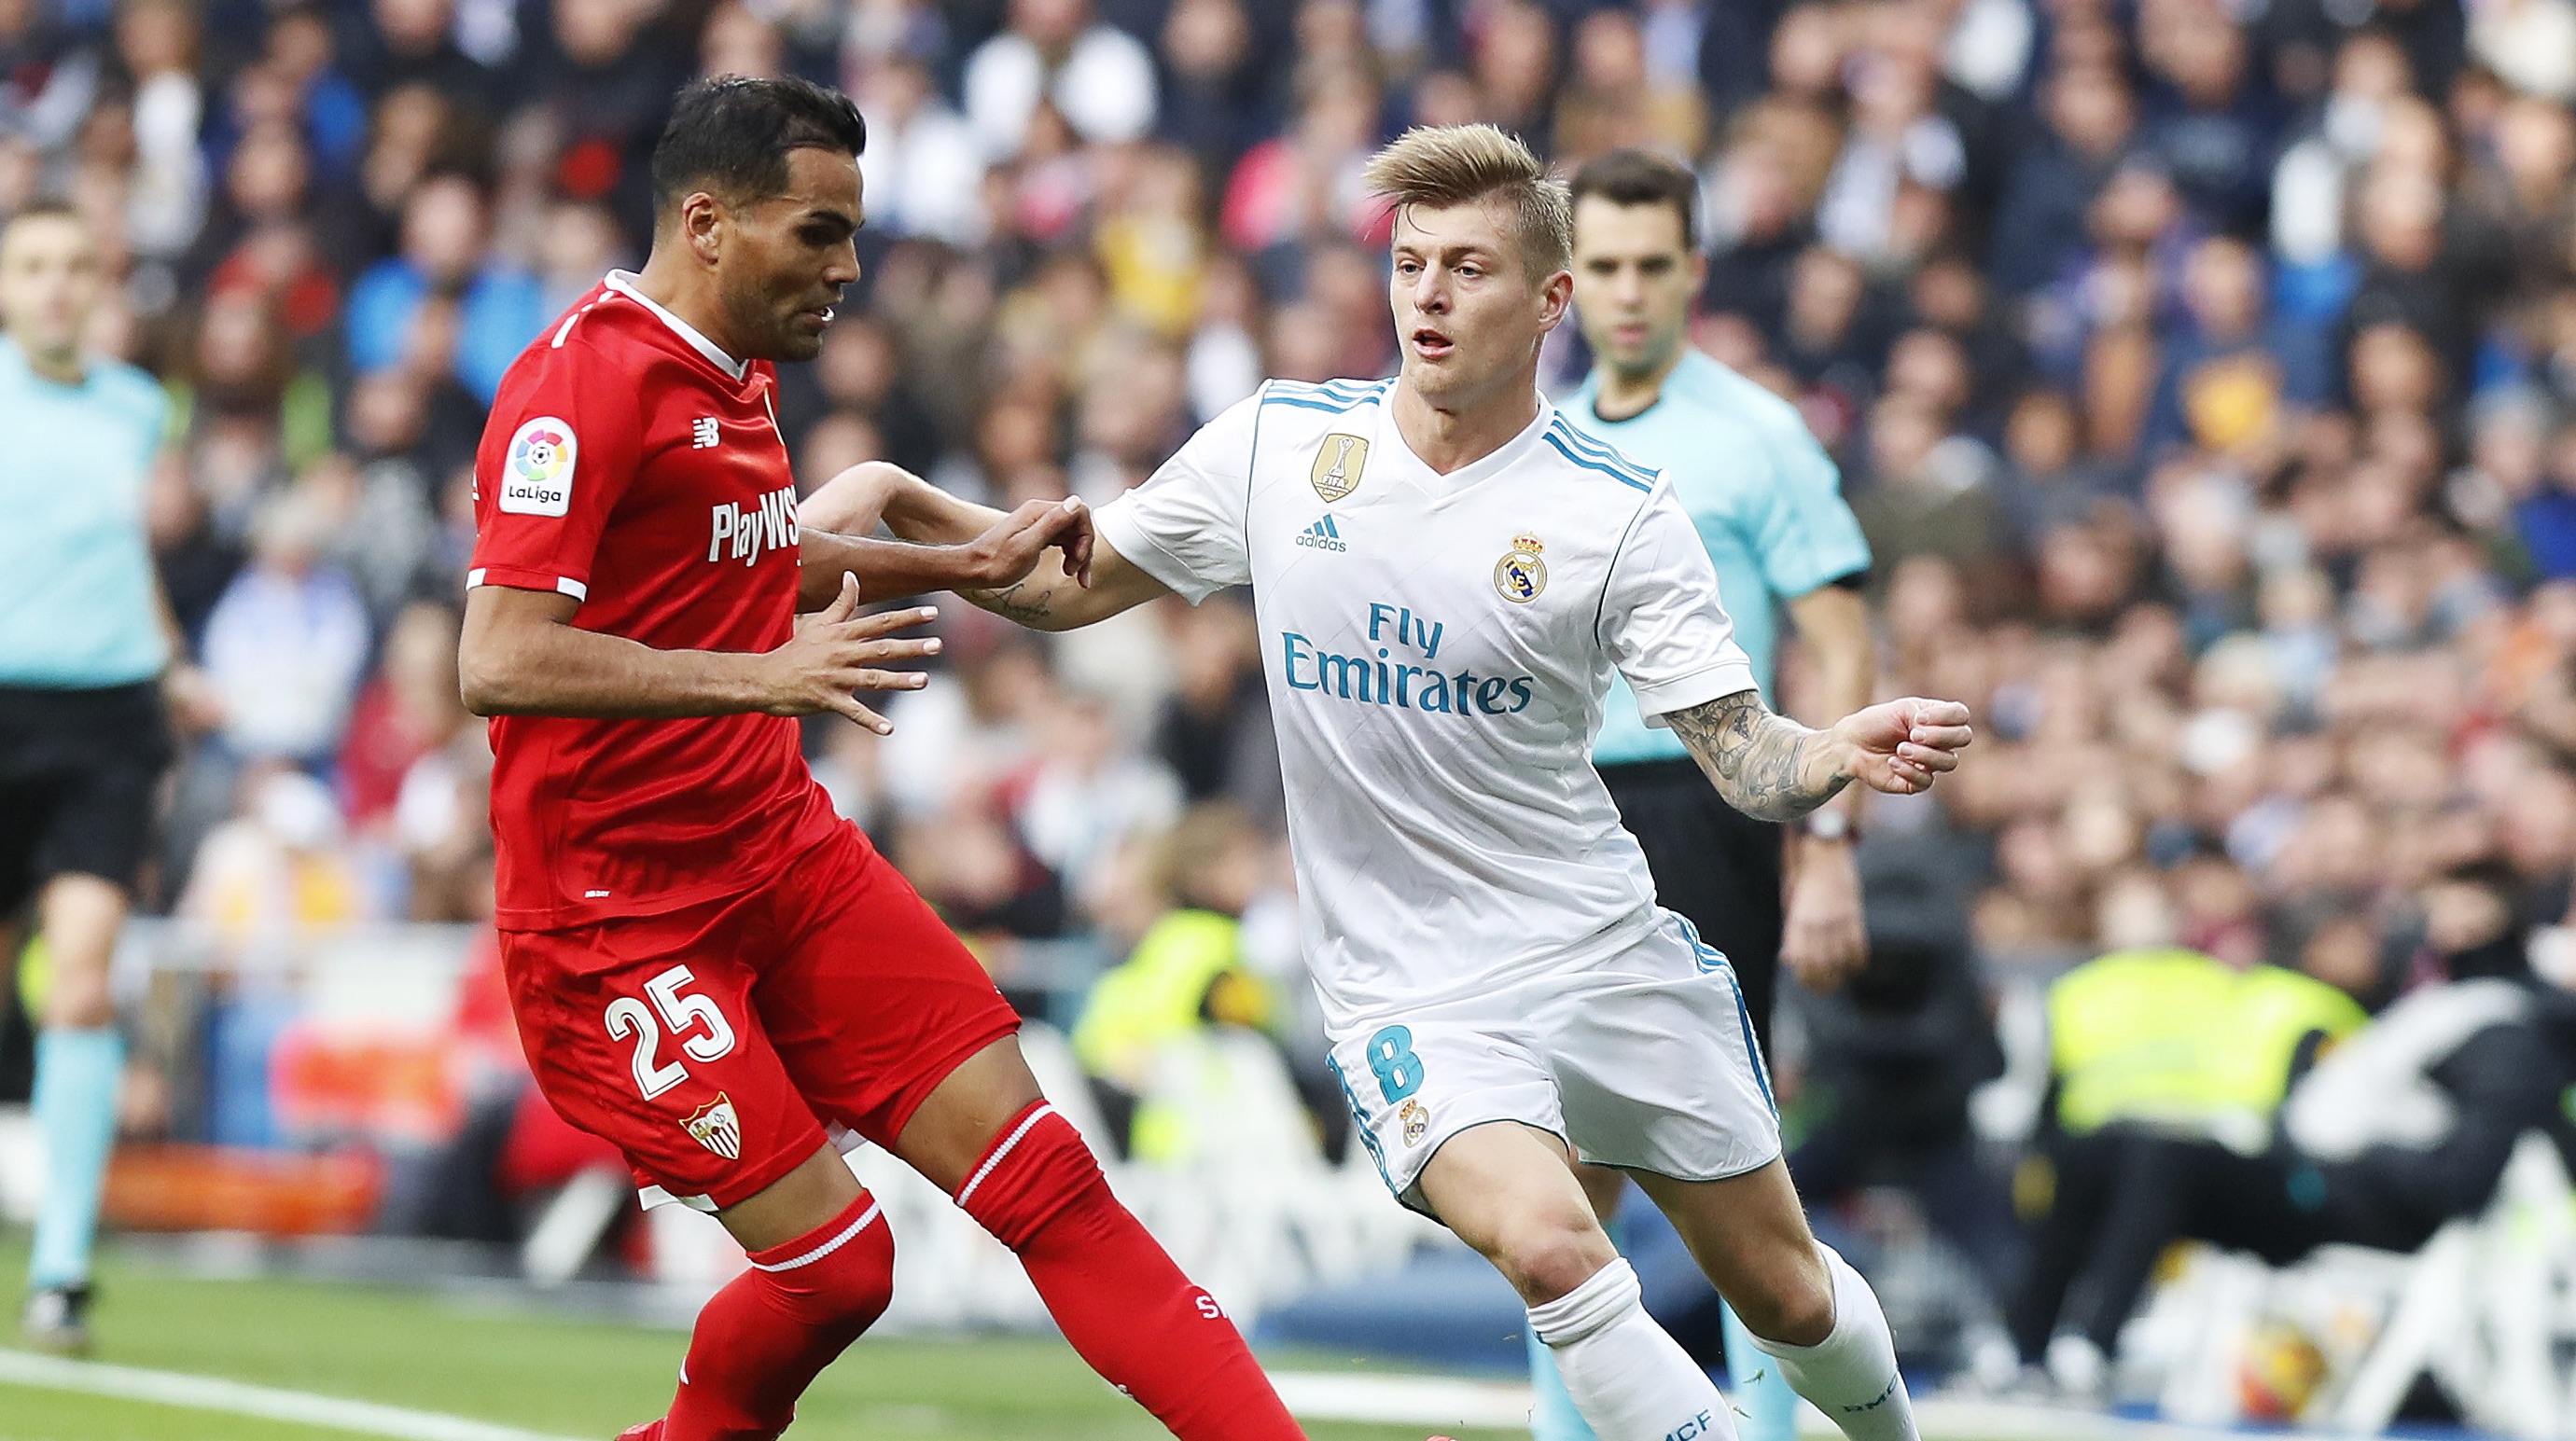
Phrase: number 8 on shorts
(1399, 1071)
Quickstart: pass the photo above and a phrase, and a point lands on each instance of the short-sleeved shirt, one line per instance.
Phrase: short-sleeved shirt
(1765, 498)
(77, 605)
(632, 465)
(1437, 648)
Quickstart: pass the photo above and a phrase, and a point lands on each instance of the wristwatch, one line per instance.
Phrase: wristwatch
(1828, 823)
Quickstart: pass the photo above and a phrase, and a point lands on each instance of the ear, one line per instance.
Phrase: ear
(702, 225)
(1698, 275)
(1555, 297)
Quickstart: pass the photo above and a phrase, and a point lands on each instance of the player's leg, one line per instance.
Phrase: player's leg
(1553, 1414)
(1721, 870)
(812, 1287)
(1509, 1192)
(1803, 1304)
(79, 1060)
(890, 1026)
(90, 826)
(642, 1031)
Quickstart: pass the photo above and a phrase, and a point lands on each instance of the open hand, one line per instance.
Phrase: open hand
(836, 651)
(1899, 747)
(1011, 549)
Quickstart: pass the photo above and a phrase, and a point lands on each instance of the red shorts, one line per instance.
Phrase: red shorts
(713, 1043)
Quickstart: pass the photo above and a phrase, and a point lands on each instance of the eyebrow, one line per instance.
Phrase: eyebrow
(838, 220)
(1450, 248)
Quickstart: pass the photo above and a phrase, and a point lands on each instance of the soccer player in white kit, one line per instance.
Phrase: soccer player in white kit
(1446, 574)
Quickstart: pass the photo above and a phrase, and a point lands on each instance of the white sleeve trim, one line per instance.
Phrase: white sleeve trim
(1725, 678)
(564, 584)
(1129, 539)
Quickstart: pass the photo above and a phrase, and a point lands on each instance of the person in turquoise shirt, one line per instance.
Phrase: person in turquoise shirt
(1767, 502)
(85, 644)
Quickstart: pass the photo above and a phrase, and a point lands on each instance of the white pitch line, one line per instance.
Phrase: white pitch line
(239, 1398)
(1402, 1400)
(1445, 1401)
(1312, 1395)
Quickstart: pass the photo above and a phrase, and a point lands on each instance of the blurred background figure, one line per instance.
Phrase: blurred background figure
(85, 650)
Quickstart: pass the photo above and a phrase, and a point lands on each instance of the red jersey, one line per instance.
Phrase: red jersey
(632, 465)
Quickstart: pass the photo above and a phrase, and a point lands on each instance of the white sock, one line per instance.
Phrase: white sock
(1851, 1375)
(1628, 1378)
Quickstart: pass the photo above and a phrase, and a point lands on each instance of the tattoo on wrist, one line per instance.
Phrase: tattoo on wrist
(1765, 765)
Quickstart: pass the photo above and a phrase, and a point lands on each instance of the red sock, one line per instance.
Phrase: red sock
(763, 1338)
(1117, 1297)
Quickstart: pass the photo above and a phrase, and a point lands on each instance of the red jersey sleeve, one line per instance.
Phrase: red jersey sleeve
(560, 449)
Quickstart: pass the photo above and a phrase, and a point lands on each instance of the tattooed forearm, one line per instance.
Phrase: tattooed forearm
(1030, 605)
(1767, 766)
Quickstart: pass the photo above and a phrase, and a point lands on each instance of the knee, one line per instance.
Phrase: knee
(850, 502)
(76, 998)
(1037, 1170)
(1546, 1257)
(1794, 1306)
(844, 1283)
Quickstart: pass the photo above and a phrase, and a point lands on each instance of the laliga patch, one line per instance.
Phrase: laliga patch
(536, 476)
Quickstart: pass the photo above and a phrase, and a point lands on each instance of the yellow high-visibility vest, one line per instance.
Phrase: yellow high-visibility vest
(2178, 1037)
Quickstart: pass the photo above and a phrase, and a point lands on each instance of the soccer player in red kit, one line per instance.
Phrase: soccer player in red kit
(708, 967)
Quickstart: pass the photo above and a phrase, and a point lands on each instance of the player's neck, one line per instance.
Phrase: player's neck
(1622, 395)
(1453, 439)
(63, 367)
(690, 294)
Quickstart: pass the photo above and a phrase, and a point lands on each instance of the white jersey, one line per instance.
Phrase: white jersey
(1437, 648)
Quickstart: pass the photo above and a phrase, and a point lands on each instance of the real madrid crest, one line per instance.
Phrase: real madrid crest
(1338, 464)
(1416, 1120)
(1520, 575)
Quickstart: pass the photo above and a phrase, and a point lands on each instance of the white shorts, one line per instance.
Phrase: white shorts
(1643, 1060)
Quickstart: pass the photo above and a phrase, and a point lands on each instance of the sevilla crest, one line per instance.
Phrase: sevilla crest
(716, 1127)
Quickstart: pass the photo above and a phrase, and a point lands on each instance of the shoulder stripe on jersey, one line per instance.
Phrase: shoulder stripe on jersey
(1587, 463)
(1329, 407)
(569, 321)
(1594, 447)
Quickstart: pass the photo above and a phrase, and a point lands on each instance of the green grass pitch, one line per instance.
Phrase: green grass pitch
(543, 1372)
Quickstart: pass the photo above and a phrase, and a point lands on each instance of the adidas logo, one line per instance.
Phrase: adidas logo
(1322, 535)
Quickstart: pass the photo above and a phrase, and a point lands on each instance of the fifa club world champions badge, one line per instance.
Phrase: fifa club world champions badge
(1338, 464)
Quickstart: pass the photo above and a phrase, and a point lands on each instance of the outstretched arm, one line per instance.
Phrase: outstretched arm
(1002, 552)
(1068, 579)
(1774, 769)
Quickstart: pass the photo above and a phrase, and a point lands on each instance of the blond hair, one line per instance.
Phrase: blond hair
(1460, 164)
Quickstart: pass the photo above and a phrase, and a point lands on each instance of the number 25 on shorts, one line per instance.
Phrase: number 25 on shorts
(1399, 1071)
(681, 1012)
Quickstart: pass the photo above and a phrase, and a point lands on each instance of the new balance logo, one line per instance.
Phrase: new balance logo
(702, 433)
(1322, 535)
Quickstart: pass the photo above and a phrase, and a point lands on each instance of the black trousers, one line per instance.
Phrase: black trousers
(1713, 864)
(2123, 1194)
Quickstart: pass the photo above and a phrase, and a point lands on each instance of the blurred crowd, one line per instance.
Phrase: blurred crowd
(2203, 372)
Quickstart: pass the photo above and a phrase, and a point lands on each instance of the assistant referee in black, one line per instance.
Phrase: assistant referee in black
(85, 646)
